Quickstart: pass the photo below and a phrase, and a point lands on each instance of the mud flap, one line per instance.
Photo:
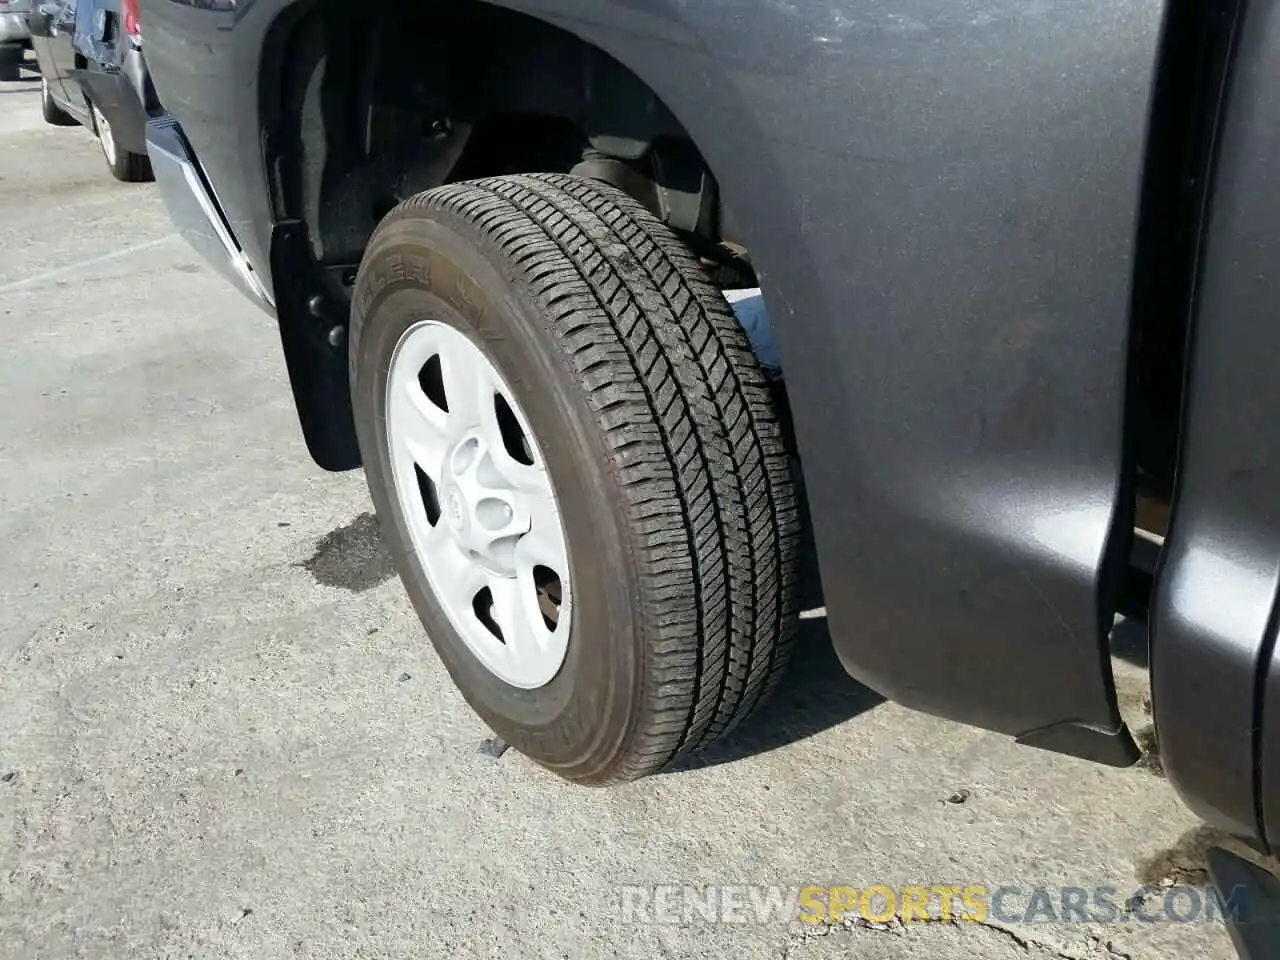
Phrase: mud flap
(313, 329)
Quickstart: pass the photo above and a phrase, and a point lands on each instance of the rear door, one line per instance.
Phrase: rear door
(96, 28)
(100, 37)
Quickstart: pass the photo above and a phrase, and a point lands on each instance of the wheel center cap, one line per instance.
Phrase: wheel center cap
(455, 512)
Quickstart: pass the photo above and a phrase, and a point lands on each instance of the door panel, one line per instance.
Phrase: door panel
(44, 26)
(62, 50)
(94, 21)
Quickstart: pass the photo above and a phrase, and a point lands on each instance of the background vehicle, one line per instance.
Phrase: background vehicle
(15, 37)
(997, 243)
(93, 73)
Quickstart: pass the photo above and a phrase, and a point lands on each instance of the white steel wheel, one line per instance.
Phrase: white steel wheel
(105, 138)
(479, 505)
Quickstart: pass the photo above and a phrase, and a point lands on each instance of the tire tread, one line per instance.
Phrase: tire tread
(691, 427)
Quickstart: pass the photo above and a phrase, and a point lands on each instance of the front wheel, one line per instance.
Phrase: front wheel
(577, 463)
(125, 165)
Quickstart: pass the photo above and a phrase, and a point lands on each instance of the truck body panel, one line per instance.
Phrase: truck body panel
(943, 201)
(1212, 625)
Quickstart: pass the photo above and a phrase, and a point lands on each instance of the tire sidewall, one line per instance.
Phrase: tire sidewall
(417, 269)
(48, 106)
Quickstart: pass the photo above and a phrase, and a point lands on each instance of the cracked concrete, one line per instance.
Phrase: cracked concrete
(205, 751)
(938, 940)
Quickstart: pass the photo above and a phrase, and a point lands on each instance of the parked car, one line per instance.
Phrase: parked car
(92, 72)
(15, 37)
(1020, 261)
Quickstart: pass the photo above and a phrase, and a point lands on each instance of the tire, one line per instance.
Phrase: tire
(125, 165)
(661, 441)
(49, 109)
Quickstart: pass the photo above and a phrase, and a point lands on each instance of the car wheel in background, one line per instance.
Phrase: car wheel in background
(53, 113)
(125, 165)
(577, 463)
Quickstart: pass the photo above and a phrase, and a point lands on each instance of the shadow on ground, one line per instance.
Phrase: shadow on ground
(814, 695)
(1186, 862)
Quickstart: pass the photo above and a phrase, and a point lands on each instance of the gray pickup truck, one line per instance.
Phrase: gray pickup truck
(1020, 259)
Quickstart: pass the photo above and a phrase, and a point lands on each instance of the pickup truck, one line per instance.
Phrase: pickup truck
(1020, 262)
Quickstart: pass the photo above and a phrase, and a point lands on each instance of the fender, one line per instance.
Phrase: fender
(943, 202)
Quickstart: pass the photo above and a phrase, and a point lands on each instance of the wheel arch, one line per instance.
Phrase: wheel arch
(642, 103)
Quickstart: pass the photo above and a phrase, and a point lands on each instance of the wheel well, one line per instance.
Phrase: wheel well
(1193, 72)
(360, 113)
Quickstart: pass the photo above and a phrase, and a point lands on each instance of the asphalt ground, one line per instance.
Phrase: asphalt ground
(223, 732)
